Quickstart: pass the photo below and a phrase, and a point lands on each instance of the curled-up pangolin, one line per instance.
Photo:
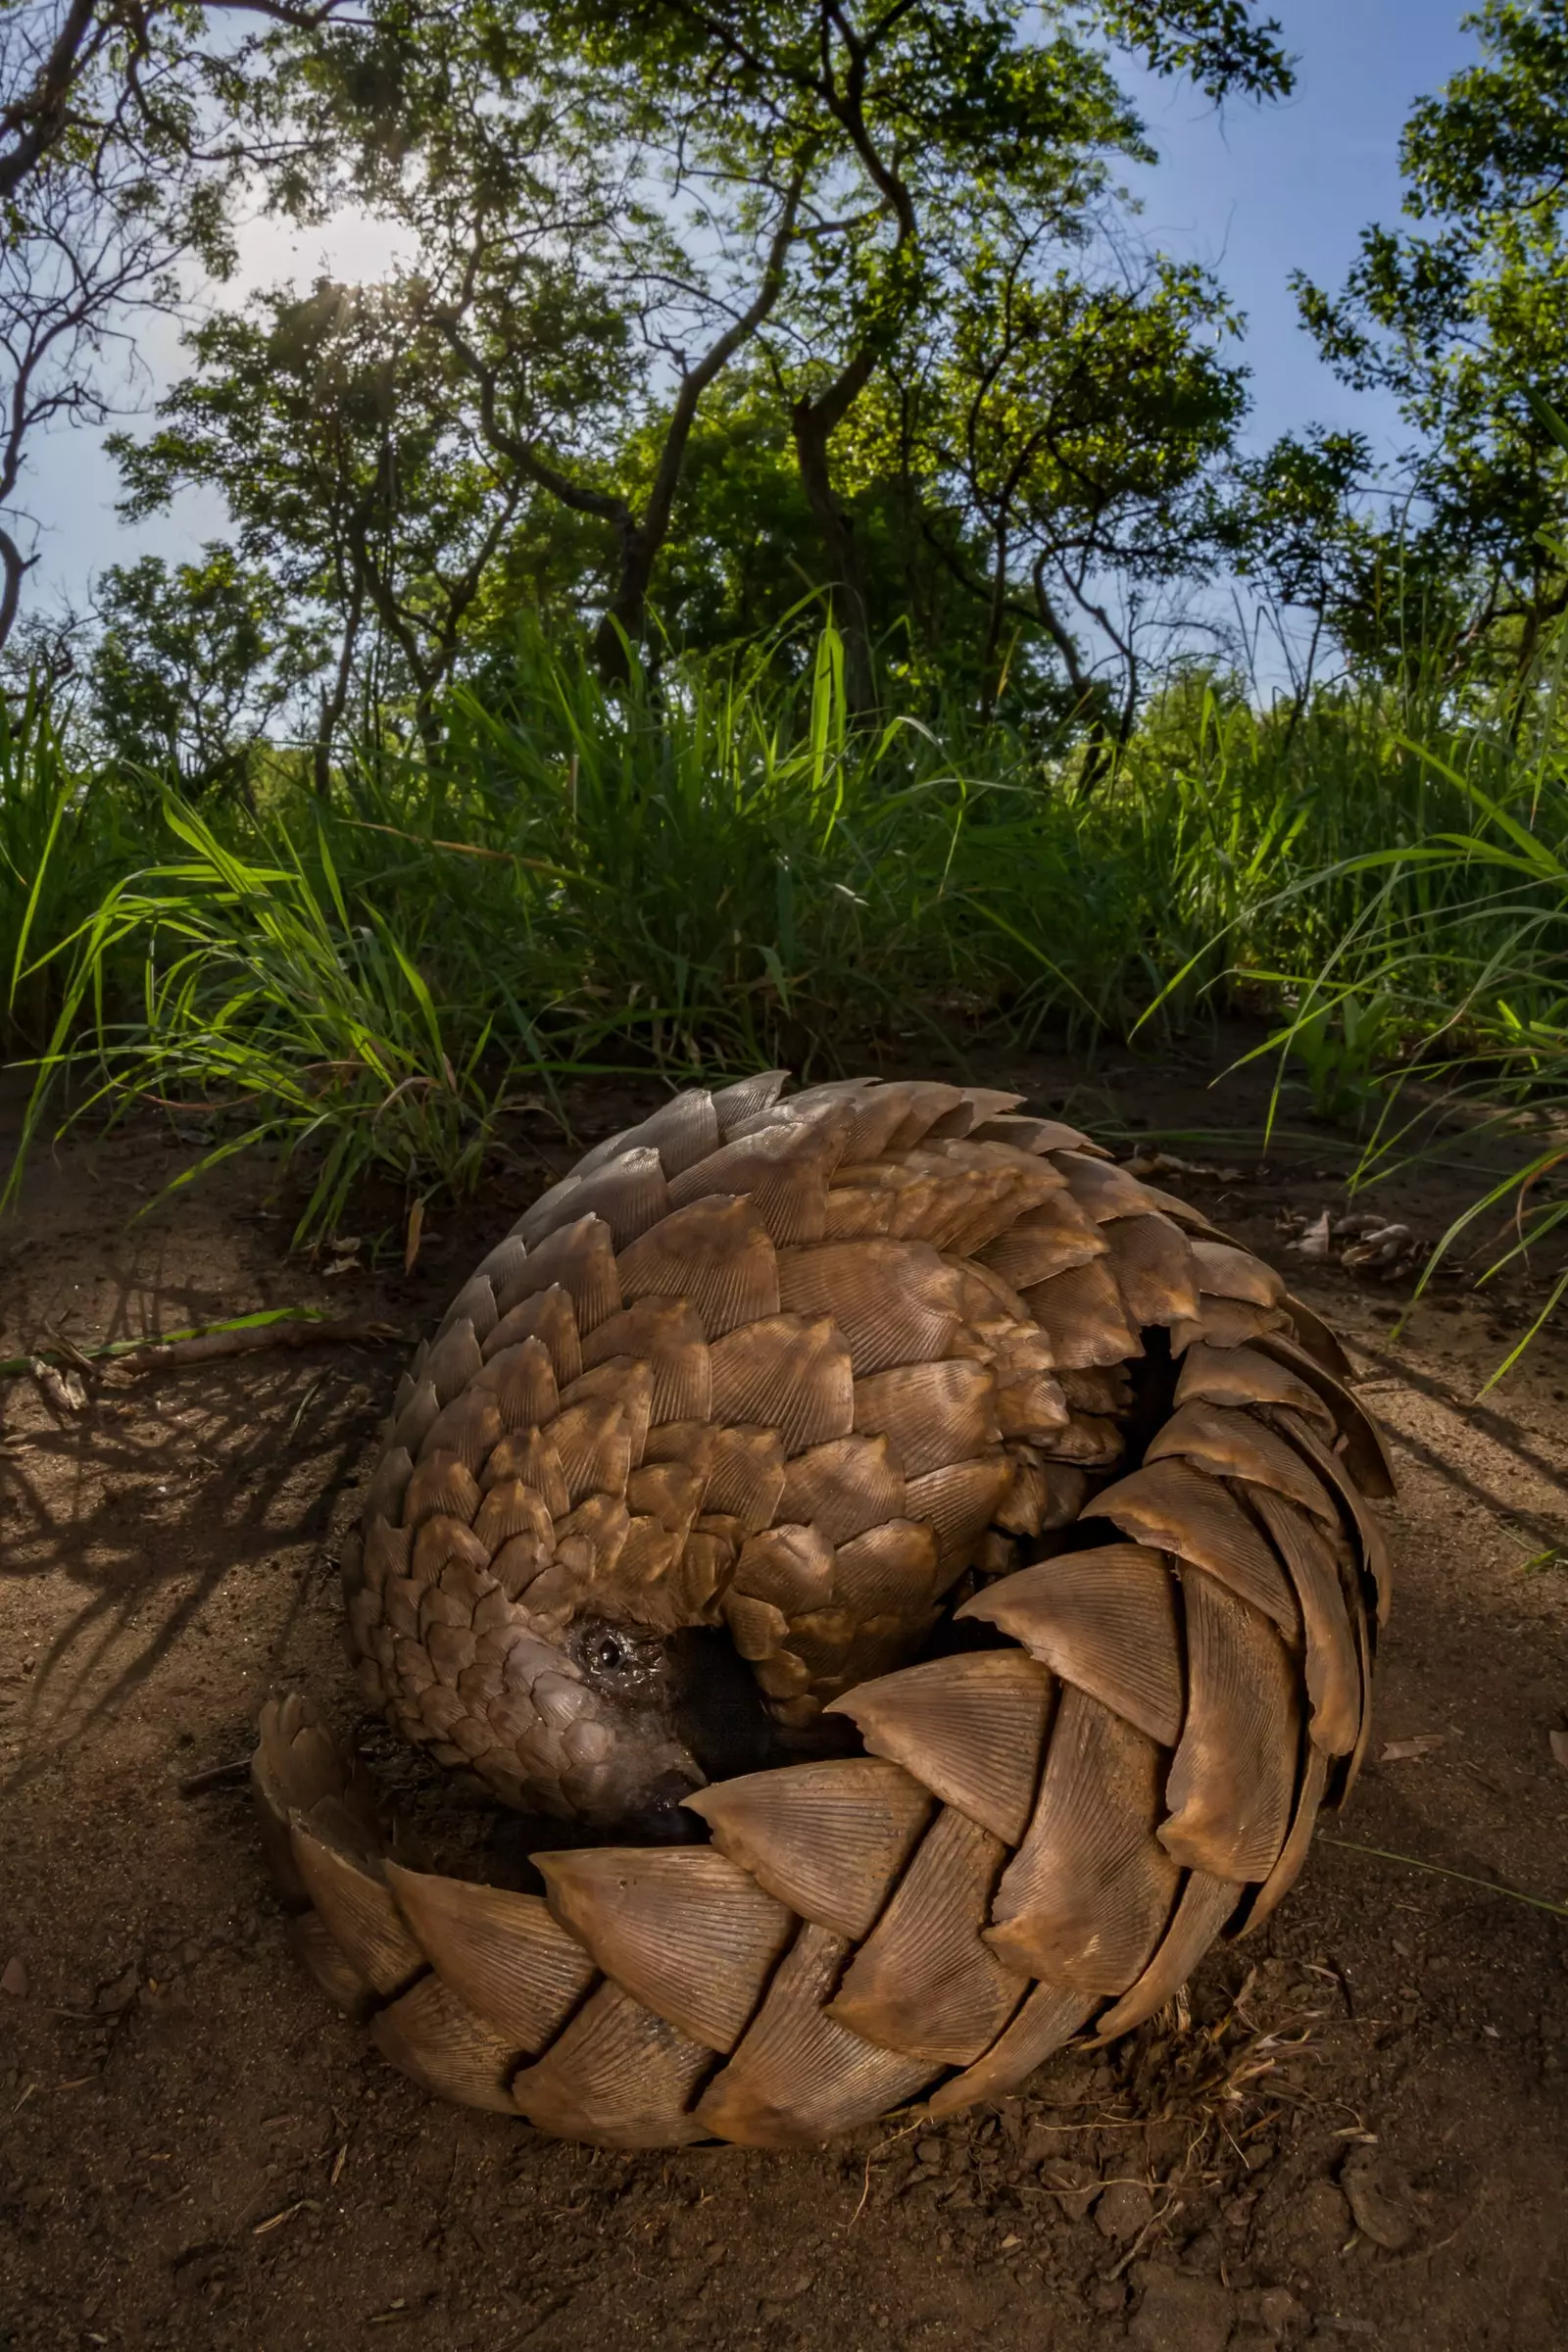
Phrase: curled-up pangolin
(956, 1536)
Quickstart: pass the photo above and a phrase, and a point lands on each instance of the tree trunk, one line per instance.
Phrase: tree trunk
(333, 705)
(12, 566)
(813, 423)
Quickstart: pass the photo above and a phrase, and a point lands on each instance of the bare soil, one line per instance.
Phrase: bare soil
(1354, 2136)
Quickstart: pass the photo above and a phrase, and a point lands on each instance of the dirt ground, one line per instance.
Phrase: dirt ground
(1356, 2139)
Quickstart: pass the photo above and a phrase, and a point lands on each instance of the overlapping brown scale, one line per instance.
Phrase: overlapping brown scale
(440, 1483)
(297, 1769)
(791, 1566)
(1232, 1444)
(342, 1983)
(981, 1104)
(732, 1104)
(1028, 1134)
(683, 1929)
(828, 1838)
(894, 1303)
(580, 1256)
(620, 2076)
(682, 1131)
(1182, 1212)
(440, 1539)
(800, 2076)
(960, 1503)
(594, 1442)
(1225, 1272)
(890, 1570)
(715, 1254)
(1025, 1508)
(1033, 1408)
(790, 1373)
(1246, 1375)
(451, 1362)
(544, 1214)
(1292, 1853)
(1333, 1671)
(629, 1191)
(596, 1536)
(474, 1303)
(386, 1552)
(971, 1728)
(926, 1982)
(746, 1477)
(1175, 1506)
(1233, 1777)
(1086, 1439)
(931, 1414)
(922, 1198)
(857, 1211)
(1226, 1323)
(623, 1381)
(1105, 1388)
(1344, 1775)
(1049, 2019)
(671, 1492)
(389, 1483)
(1332, 1471)
(1205, 1905)
(503, 1269)
(667, 1336)
(549, 1316)
(1315, 1336)
(1082, 1314)
(415, 1417)
(511, 1511)
(1087, 1895)
(843, 1487)
(896, 1117)
(988, 1210)
(530, 1459)
(1154, 1272)
(1104, 1620)
(352, 1899)
(784, 1170)
(758, 1628)
(520, 1380)
(1101, 1189)
(995, 1312)
(431, 2036)
(1051, 1237)
(1029, 1180)
(1338, 1409)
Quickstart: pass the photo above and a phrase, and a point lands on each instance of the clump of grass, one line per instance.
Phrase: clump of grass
(708, 875)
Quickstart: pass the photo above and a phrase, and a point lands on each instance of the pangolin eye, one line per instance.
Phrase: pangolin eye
(608, 1653)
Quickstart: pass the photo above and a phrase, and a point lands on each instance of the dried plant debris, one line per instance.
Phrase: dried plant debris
(1373, 1247)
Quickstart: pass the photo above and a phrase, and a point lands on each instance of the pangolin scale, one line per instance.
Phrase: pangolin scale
(1039, 1515)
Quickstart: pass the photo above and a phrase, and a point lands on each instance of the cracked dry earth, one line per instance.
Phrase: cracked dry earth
(1353, 2135)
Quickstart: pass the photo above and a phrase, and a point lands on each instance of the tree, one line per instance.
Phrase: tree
(1067, 431)
(724, 182)
(193, 663)
(901, 119)
(119, 142)
(338, 428)
(1462, 318)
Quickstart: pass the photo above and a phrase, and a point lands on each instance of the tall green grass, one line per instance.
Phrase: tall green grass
(1449, 987)
(712, 874)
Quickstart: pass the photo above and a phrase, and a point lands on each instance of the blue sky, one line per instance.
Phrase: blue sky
(1253, 194)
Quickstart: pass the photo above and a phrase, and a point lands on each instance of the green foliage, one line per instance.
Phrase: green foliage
(1464, 319)
(715, 873)
(192, 663)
